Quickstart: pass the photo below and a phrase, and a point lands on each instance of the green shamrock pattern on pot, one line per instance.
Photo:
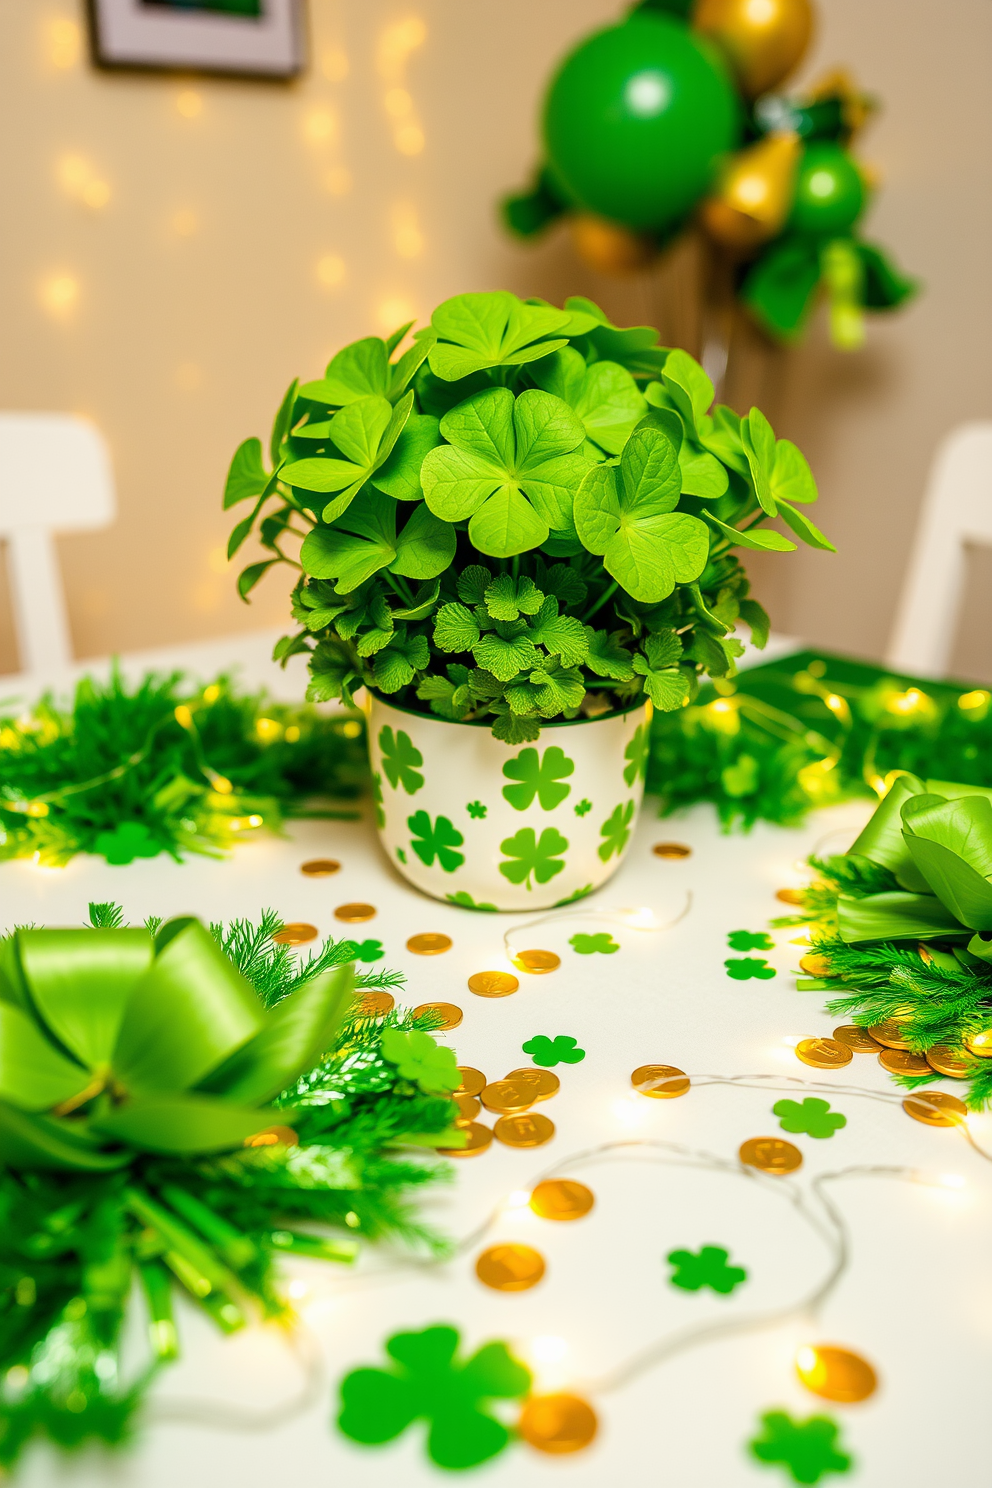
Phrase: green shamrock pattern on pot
(616, 831)
(527, 854)
(538, 775)
(400, 759)
(436, 841)
(636, 754)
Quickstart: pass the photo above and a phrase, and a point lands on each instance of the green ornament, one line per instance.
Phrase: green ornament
(636, 122)
(830, 192)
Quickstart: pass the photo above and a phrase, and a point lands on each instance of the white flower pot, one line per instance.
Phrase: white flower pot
(490, 825)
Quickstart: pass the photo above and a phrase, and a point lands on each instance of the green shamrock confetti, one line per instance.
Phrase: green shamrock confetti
(583, 808)
(636, 753)
(399, 756)
(537, 856)
(128, 840)
(429, 1383)
(366, 950)
(806, 1449)
(813, 1117)
(707, 1267)
(548, 1052)
(586, 945)
(741, 968)
(476, 810)
(538, 776)
(437, 841)
(750, 940)
(419, 1057)
(616, 831)
(467, 902)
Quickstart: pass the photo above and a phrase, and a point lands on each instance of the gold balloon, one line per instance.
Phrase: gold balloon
(609, 248)
(755, 193)
(763, 40)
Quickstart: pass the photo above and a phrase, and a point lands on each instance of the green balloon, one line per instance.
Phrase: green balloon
(830, 193)
(637, 119)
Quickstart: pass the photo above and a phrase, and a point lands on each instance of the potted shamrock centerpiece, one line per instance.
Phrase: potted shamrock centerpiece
(519, 535)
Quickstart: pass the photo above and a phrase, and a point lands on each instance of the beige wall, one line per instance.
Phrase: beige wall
(236, 233)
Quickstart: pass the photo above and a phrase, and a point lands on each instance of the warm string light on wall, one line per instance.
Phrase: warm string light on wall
(396, 44)
(63, 43)
(59, 294)
(82, 183)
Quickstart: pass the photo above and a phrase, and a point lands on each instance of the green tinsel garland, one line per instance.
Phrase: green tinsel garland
(71, 1244)
(129, 773)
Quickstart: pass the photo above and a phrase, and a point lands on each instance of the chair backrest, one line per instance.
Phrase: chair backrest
(956, 512)
(55, 476)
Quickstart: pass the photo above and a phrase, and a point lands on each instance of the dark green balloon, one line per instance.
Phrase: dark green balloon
(636, 121)
(830, 193)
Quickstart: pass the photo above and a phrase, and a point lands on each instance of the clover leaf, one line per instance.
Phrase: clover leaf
(637, 754)
(507, 598)
(419, 1057)
(706, 1267)
(538, 775)
(604, 396)
(398, 663)
(626, 514)
(778, 471)
(607, 657)
(364, 370)
(686, 390)
(365, 432)
(507, 650)
(549, 689)
(427, 1381)
(436, 841)
(511, 466)
(750, 940)
(666, 684)
(549, 1052)
(128, 840)
(635, 347)
(587, 945)
(399, 758)
(365, 950)
(365, 540)
(476, 331)
(806, 1449)
(526, 854)
(741, 968)
(616, 831)
(563, 635)
(813, 1117)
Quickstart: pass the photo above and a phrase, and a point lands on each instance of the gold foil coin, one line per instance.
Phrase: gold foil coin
(531, 1130)
(791, 896)
(468, 1109)
(354, 914)
(770, 1155)
(672, 850)
(296, 934)
(375, 1004)
(273, 1136)
(506, 1097)
(660, 1081)
(815, 965)
(561, 1198)
(935, 1108)
(858, 1039)
(492, 983)
(510, 1268)
(477, 1139)
(980, 1043)
(888, 1033)
(428, 944)
(835, 1373)
(902, 1062)
(473, 1081)
(557, 1423)
(541, 1083)
(450, 1015)
(537, 962)
(823, 1053)
(953, 1062)
(320, 867)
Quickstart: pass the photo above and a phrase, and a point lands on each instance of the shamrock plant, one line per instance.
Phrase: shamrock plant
(528, 514)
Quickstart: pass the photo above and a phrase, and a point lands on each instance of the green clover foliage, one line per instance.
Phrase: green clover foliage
(666, 684)
(477, 331)
(616, 831)
(549, 1052)
(742, 968)
(812, 1117)
(128, 840)
(363, 370)
(538, 775)
(401, 760)
(419, 1057)
(588, 945)
(750, 940)
(436, 840)
(604, 396)
(527, 855)
(365, 540)
(364, 433)
(808, 1450)
(427, 1381)
(708, 1266)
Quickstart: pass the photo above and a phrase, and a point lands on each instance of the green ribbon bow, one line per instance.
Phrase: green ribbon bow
(935, 838)
(114, 1043)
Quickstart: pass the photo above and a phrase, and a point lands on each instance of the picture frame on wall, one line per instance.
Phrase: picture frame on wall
(244, 38)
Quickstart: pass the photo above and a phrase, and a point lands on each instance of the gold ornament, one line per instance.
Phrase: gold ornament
(354, 914)
(320, 867)
(541, 1083)
(538, 963)
(671, 850)
(953, 1062)
(609, 248)
(835, 1373)
(473, 1081)
(754, 195)
(557, 1423)
(902, 1062)
(510, 1268)
(492, 983)
(770, 1155)
(935, 1108)
(507, 1097)
(823, 1053)
(524, 1131)
(660, 1081)
(791, 896)
(450, 1015)
(858, 1039)
(468, 1109)
(374, 1004)
(763, 40)
(561, 1199)
(428, 944)
(477, 1139)
(980, 1043)
(815, 966)
(273, 1136)
(888, 1033)
(295, 934)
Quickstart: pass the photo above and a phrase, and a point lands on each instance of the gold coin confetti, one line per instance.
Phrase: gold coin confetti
(557, 1423)
(902, 1062)
(889, 1034)
(953, 1062)
(477, 1139)
(531, 1130)
(561, 1198)
(835, 1373)
(450, 1015)
(815, 965)
(492, 983)
(935, 1108)
(510, 1268)
(320, 867)
(468, 1109)
(473, 1081)
(428, 944)
(770, 1155)
(980, 1043)
(660, 1081)
(296, 934)
(541, 1083)
(354, 914)
(538, 963)
(375, 1004)
(273, 1136)
(790, 896)
(824, 1053)
(858, 1039)
(672, 850)
(506, 1097)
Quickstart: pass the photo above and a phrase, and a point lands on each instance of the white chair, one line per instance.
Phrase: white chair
(55, 476)
(956, 512)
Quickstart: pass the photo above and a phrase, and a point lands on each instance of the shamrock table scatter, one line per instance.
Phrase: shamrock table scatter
(588, 945)
(812, 1117)
(750, 940)
(419, 1058)
(742, 968)
(708, 1267)
(551, 1051)
(807, 1450)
